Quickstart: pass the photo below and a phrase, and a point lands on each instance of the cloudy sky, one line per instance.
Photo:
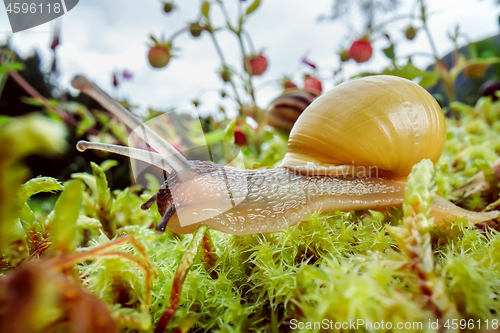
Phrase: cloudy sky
(101, 36)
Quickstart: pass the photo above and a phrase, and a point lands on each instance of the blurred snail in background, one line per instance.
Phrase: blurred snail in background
(350, 149)
(286, 109)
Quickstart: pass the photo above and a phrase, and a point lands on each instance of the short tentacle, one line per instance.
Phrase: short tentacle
(149, 203)
(162, 225)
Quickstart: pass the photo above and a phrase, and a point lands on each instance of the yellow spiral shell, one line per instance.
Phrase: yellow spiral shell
(380, 123)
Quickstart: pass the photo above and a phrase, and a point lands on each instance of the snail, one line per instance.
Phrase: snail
(351, 149)
(286, 108)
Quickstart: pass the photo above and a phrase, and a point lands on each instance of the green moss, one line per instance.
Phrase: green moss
(394, 266)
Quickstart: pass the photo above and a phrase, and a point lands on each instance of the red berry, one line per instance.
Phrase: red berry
(258, 64)
(361, 50)
(312, 83)
(240, 138)
(159, 56)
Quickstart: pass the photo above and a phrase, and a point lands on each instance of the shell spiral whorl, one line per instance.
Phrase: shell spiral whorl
(385, 122)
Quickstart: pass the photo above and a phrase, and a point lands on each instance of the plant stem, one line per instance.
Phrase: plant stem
(177, 33)
(224, 63)
(382, 24)
(250, 43)
(68, 119)
(187, 261)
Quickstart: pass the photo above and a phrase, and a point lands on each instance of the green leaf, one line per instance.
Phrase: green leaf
(428, 79)
(152, 181)
(409, 71)
(420, 190)
(85, 222)
(89, 180)
(101, 183)
(4, 119)
(108, 164)
(20, 137)
(66, 213)
(229, 131)
(253, 7)
(205, 8)
(38, 185)
(389, 52)
(11, 66)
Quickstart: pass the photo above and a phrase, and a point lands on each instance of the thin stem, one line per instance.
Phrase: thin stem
(225, 13)
(209, 255)
(103, 251)
(247, 67)
(421, 54)
(36, 95)
(224, 63)
(250, 42)
(187, 261)
(177, 33)
(391, 20)
(3, 76)
(427, 31)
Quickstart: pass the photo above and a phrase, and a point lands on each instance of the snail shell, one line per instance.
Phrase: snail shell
(385, 122)
(286, 109)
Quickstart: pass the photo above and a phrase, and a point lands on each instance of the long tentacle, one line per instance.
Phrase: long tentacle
(178, 162)
(138, 154)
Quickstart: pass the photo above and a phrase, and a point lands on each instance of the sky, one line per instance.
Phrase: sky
(103, 36)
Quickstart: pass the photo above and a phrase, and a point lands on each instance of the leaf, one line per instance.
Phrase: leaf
(85, 222)
(152, 182)
(420, 190)
(101, 184)
(20, 137)
(89, 180)
(409, 71)
(66, 213)
(253, 7)
(11, 66)
(108, 164)
(429, 79)
(215, 136)
(205, 8)
(229, 131)
(38, 185)
(389, 52)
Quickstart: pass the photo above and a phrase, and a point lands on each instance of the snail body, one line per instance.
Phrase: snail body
(351, 149)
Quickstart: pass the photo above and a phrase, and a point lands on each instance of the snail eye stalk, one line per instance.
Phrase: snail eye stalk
(138, 154)
(177, 162)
